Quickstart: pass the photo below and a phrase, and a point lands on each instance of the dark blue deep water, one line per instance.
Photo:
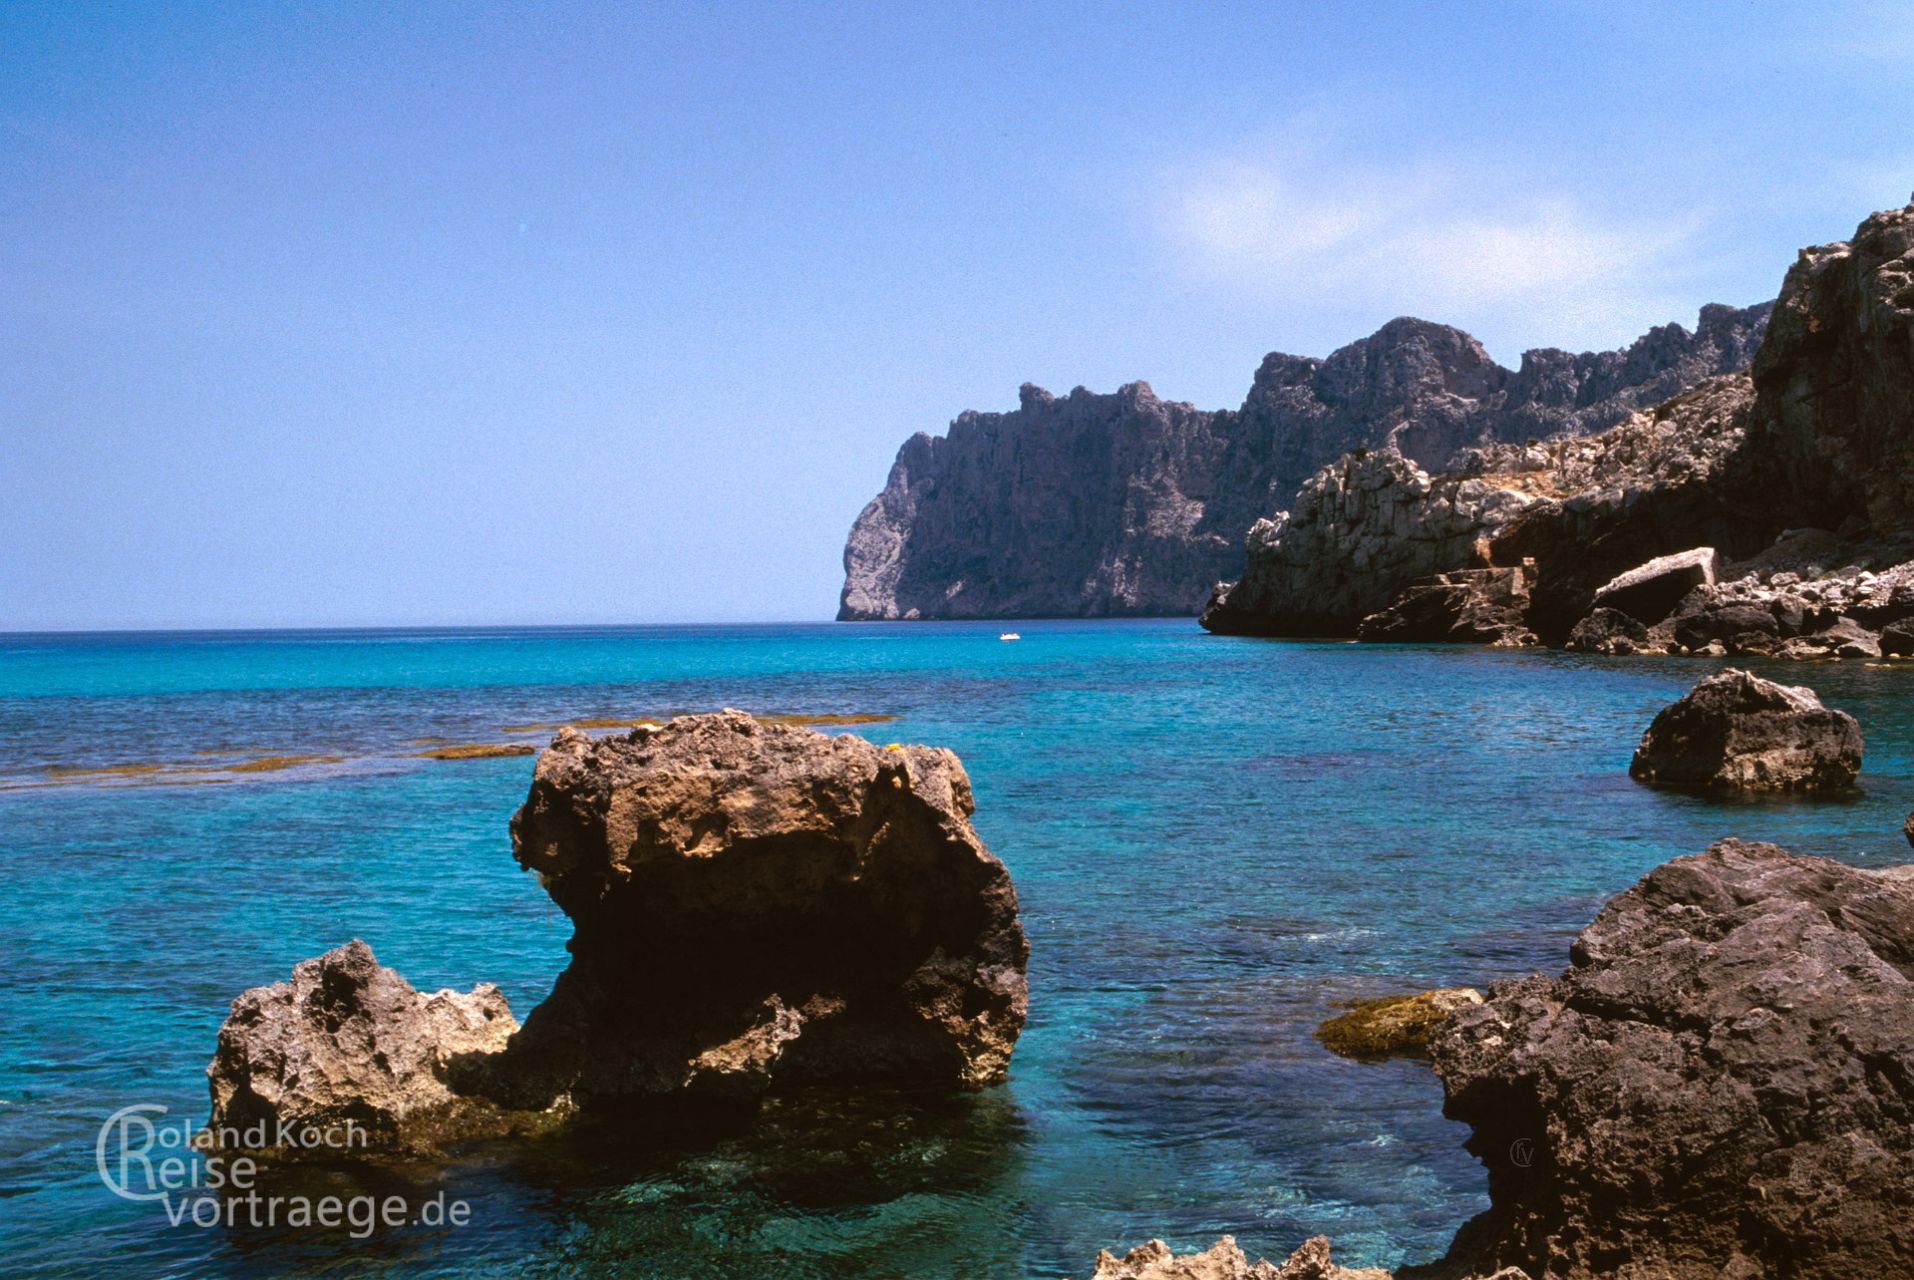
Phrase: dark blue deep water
(1214, 840)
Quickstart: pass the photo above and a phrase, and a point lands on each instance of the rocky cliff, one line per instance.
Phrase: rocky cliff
(1814, 435)
(1366, 527)
(1090, 505)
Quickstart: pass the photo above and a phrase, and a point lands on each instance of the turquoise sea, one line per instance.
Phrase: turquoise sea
(1214, 840)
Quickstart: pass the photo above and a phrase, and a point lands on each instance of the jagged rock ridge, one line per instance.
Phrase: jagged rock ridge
(1815, 434)
(1092, 505)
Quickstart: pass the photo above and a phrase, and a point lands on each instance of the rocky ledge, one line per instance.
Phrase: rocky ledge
(754, 906)
(1735, 732)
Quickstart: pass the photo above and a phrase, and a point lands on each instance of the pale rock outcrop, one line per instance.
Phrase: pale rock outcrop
(1650, 592)
(348, 1049)
(1361, 530)
(1720, 1084)
(1735, 732)
(1225, 1260)
(1581, 508)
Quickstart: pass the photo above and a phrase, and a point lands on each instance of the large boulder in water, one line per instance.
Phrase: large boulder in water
(1735, 732)
(756, 903)
(349, 1050)
(1720, 1084)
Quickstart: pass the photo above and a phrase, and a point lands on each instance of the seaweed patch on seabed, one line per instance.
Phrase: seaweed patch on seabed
(477, 751)
(154, 773)
(821, 719)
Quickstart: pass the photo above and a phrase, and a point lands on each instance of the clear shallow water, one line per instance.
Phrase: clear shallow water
(1214, 841)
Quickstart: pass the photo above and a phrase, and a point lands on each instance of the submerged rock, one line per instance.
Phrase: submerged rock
(1737, 732)
(1651, 591)
(760, 903)
(1720, 1084)
(350, 1050)
(1393, 1026)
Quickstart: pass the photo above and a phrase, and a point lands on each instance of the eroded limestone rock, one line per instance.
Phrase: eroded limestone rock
(351, 1050)
(758, 903)
(754, 904)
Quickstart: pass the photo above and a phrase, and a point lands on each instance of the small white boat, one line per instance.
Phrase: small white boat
(1008, 635)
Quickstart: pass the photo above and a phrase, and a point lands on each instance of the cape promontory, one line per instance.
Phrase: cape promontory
(1092, 505)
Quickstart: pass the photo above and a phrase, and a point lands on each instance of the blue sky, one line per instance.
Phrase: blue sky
(443, 314)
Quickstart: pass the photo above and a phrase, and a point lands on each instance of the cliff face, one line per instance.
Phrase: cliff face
(1365, 527)
(1089, 505)
(1836, 380)
(1815, 435)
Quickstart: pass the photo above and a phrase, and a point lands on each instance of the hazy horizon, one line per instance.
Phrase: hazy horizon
(617, 315)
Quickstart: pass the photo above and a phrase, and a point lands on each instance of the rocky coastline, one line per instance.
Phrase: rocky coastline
(1126, 504)
(1789, 479)
(1721, 1082)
